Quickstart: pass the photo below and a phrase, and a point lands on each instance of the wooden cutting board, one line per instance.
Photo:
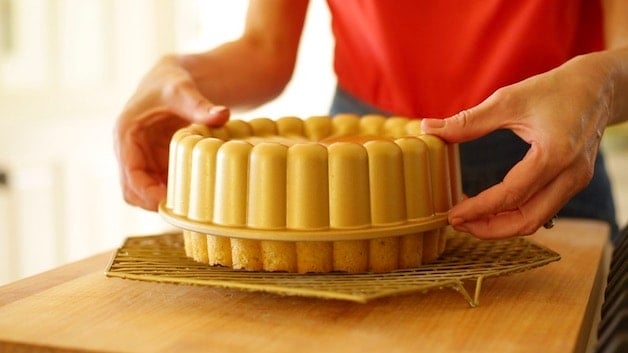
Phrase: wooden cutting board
(76, 308)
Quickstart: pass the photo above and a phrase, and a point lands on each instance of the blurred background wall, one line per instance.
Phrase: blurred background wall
(67, 68)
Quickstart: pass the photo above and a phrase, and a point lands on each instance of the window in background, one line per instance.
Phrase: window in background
(66, 69)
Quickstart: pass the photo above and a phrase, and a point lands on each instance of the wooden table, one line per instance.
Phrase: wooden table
(75, 308)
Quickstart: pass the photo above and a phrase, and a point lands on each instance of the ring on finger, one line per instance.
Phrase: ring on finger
(550, 224)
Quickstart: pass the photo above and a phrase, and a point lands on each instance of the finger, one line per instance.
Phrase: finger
(143, 190)
(493, 113)
(143, 184)
(186, 101)
(142, 163)
(525, 179)
(526, 219)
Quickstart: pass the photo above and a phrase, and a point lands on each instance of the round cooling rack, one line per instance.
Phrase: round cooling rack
(161, 258)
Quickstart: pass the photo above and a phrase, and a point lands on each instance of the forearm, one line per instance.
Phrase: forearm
(238, 74)
(616, 55)
(256, 67)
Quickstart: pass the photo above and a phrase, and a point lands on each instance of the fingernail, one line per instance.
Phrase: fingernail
(217, 109)
(433, 123)
(456, 221)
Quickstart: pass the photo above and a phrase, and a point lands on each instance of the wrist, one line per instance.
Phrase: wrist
(605, 73)
(619, 85)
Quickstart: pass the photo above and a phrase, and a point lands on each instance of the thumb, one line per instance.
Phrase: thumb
(190, 104)
(468, 124)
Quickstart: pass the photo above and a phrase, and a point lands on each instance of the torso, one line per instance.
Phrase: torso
(424, 58)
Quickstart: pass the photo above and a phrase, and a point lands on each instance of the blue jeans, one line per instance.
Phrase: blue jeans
(485, 162)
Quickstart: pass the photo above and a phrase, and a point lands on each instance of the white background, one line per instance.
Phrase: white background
(67, 68)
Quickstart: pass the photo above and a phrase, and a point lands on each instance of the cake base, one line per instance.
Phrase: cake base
(351, 256)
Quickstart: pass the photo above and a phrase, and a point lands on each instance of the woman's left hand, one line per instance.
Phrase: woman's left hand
(561, 114)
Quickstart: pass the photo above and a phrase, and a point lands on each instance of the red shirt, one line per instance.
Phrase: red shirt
(433, 58)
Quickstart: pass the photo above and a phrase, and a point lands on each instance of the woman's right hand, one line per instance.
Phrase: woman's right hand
(167, 99)
(242, 74)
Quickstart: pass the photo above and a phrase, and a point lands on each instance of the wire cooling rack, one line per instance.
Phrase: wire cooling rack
(161, 258)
